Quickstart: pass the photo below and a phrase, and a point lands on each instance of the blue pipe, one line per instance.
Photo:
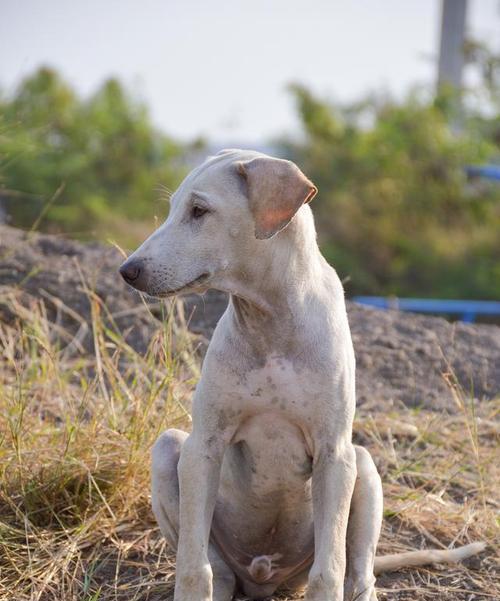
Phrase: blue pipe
(468, 309)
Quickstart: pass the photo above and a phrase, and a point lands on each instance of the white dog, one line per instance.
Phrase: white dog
(268, 490)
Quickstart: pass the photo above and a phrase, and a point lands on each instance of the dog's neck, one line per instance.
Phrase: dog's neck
(281, 278)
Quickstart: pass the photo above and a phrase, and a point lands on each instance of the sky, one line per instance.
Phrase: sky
(220, 68)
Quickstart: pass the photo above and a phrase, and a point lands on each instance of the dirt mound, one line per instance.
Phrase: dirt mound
(59, 272)
(401, 357)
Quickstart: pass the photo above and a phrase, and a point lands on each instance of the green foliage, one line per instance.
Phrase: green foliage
(395, 212)
(102, 154)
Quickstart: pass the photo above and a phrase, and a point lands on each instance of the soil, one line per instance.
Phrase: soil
(401, 357)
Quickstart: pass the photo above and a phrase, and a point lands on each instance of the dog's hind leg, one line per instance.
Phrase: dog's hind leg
(165, 501)
(365, 520)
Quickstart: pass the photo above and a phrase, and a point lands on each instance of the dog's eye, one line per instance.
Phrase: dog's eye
(197, 212)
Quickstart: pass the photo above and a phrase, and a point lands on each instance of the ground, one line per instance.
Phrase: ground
(90, 376)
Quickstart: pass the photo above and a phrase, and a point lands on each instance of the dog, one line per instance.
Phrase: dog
(268, 490)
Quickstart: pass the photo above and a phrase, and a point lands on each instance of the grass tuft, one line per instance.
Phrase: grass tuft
(75, 434)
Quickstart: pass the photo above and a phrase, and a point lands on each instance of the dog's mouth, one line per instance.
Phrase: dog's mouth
(192, 286)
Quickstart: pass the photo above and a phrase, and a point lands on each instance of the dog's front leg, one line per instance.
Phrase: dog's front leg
(334, 475)
(199, 472)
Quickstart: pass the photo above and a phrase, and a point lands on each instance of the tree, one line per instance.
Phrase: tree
(104, 151)
(395, 212)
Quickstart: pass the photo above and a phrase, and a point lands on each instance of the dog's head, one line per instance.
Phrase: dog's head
(220, 214)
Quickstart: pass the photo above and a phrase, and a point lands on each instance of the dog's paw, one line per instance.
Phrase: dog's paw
(360, 589)
(322, 588)
(194, 585)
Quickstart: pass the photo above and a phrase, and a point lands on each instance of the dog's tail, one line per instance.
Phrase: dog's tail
(390, 563)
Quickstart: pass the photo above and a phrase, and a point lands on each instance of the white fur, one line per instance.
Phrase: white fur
(273, 410)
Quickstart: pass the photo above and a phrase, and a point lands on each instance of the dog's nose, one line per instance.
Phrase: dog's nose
(130, 271)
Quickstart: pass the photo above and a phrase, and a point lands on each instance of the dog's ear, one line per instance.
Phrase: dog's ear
(276, 190)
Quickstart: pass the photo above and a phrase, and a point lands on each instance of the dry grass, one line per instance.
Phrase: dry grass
(75, 434)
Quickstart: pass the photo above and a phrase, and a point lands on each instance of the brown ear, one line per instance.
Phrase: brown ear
(276, 191)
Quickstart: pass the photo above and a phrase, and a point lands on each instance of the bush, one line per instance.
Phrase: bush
(87, 164)
(395, 212)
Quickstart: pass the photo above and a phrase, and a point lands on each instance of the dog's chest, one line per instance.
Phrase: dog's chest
(278, 407)
(281, 387)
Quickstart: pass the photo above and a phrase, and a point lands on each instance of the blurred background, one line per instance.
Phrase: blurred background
(392, 108)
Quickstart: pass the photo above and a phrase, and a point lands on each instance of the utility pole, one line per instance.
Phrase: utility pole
(451, 51)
